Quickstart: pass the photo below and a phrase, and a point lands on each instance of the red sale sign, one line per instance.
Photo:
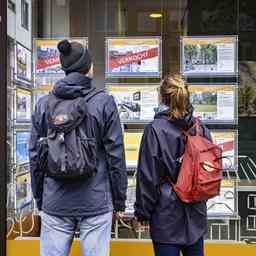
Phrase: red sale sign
(227, 146)
(133, 58)
(47, 62)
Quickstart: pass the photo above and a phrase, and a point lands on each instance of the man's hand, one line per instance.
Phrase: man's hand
(118, 215)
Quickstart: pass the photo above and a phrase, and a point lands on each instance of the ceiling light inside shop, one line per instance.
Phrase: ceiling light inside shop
(156, 15)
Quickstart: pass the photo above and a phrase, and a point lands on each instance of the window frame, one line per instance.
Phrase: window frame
(24, 14)
(248, 201)
(3, 124)
(12, 6)
(254, 223)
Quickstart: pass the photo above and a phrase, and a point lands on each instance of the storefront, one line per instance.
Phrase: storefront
(134, 44)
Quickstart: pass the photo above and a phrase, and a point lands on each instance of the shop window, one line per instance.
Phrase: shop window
(251, 223)
(252, 202)
(12, 6)
(24, 14)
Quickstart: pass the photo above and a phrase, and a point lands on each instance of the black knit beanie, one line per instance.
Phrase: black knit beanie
(74, 57)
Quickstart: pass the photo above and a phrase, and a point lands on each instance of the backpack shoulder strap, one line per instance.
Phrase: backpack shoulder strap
(92, 93)
(86, 99)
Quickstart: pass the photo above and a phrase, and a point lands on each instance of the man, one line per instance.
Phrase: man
(84, 203)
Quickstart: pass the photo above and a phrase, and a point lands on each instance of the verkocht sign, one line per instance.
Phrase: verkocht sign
(133, 57)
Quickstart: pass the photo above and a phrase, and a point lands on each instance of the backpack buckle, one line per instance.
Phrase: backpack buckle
(62, 137)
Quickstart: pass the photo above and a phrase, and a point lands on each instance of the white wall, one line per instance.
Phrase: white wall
(14, 28)
(11, 22)
(22, 35)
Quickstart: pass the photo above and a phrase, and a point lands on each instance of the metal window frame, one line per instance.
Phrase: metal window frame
(3, 123)
(248, 201)
(219, 225)
(24, 14)
(12, 6)
(254, 223)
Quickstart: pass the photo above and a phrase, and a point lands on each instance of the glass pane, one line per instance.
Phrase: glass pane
(134, 44)
(19, 99)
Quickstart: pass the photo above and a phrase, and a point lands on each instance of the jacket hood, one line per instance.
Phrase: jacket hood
(183, 123)
(72, 86)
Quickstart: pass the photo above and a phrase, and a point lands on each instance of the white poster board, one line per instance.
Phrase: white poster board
(23, 105)
(214, 103)
(224, 203)
(135, 102)
(133, 57)
(23, 67)
(209, 56)
(46, 55)
(227, 140)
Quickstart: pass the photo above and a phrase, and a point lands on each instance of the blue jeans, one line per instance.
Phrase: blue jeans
(57, 234)
(196, 249)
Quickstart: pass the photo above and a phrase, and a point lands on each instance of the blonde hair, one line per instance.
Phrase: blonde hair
(174, 94)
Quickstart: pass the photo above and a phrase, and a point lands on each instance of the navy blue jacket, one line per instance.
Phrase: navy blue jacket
(171, 221)
(107, 189)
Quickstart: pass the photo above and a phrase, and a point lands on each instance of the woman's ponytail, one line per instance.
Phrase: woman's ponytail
(174, 94)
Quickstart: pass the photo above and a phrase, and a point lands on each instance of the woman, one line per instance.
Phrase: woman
(174, 226)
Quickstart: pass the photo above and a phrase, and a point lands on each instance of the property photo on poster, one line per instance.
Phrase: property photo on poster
(209, 55)
(23, 105)
(133, 57)
(132, 141)
(46, 55)
(135, 102)
(22, 168)
(23, 190)
(214, 103)
(227, 140)
(224, 203)
(22, 147)
(23, 64)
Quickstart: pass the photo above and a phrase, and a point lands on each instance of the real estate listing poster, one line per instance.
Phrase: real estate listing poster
(23, 105)
(227, 140)
(46, 54)
(23, 190)
(23, 64)
(209, 56)
(132, 145)
(22, 147)
(214, 103)
(135, 102)
(133, 57)
(221, 205)
(22, 168)
(41, 91)
(43, 86)
(224, 203)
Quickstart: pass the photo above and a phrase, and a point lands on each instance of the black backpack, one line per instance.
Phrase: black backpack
(69, 150)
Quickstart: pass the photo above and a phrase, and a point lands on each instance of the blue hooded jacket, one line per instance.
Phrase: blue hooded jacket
(171, 221)
(101, 193)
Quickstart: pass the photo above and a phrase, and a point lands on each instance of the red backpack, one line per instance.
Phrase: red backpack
(200, 174)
